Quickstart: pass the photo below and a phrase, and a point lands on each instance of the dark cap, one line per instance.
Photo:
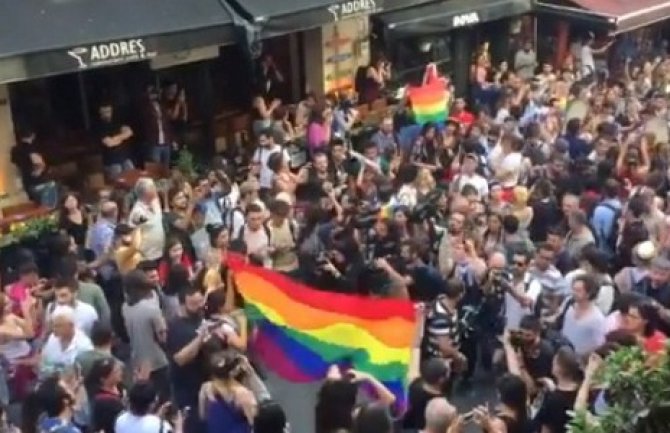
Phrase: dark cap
(434, 370)
(123, 229)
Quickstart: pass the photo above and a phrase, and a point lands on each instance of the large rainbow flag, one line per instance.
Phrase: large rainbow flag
(430, 101)
(303, 331)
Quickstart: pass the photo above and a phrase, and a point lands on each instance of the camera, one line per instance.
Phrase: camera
(516, 338)
(140, 219)
(366, 217)
(427, 208)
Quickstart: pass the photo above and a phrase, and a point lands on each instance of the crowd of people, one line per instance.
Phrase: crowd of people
(533, 243)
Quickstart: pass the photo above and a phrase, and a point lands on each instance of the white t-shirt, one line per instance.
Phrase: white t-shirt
(256, 242)
(53, 353)
(514, 312)
(477, 181)
(586, 57)
(129, 423)
(261, 156)
(153, 231)
(511, 163)
(84, 315)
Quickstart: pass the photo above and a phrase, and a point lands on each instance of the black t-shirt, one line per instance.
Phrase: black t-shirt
(418, 398)
(106, 408)
(312, 190)
(514, 426)
(540, 365)
(20, 156)
(186, 379)
(112, 155)
(554, 410)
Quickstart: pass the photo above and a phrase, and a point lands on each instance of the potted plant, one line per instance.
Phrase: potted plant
(638, 395)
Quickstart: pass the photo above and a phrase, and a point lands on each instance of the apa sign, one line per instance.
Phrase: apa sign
(111, 53)
(465, 19)
(352, 8)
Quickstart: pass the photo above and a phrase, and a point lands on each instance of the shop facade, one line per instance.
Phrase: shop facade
(450, 32)
(325, 41)
(56, 58)
(566, 22)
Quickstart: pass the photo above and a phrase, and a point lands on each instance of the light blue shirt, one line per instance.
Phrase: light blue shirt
(102, 235)
(603, 219)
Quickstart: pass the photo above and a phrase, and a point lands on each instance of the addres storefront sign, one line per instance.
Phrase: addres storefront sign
(352, 8)
(111, 53)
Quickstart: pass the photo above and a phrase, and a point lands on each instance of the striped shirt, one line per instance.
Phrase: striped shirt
(440, 322)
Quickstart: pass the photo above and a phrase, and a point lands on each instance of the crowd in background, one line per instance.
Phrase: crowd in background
(530, 229)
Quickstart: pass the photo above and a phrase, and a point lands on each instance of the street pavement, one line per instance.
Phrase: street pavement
(298, 400)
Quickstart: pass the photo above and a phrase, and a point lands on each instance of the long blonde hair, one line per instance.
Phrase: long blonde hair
(424, 179)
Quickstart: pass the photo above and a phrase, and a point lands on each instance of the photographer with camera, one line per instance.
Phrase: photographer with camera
(491, 312)
(339, 267)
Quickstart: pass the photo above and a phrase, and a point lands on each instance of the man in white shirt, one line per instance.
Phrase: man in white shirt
(586, 59)
(469, 176)
(266, 147)
(256, 236)
(140, 417)
(65, 342)
(65, 296)
(525, 61)
(147, 215)
(525, 290)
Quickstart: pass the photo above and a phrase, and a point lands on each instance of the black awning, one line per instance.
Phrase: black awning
(620, 16)
(276, 17)
(43, 37)
(449, 14)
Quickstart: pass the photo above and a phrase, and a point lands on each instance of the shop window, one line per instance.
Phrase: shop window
(411, 54)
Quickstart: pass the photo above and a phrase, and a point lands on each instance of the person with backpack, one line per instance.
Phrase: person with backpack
(253, 238)
(283, 235)
(605, 218)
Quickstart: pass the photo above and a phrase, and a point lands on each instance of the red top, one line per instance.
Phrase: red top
(464, 118)
(164, 268)
(655, 343)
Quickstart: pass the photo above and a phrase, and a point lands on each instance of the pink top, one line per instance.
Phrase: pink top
(18, 293)
(317, 136)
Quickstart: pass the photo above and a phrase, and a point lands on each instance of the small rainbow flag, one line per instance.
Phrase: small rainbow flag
(430, 100)
(303, 331)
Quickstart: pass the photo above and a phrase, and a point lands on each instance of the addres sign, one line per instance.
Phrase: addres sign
(111, 53)
(352, 8)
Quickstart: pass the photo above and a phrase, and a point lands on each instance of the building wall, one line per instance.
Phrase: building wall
(334, 52)
(9, 180)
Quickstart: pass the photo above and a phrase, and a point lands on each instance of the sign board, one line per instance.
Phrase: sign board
(462, 20)
(352, 8)
(111, 53)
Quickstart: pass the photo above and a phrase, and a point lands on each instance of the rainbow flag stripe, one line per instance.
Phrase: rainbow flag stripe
(429, 102)
(302, 331)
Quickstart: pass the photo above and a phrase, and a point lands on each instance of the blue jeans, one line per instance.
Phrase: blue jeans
(114, 170)
(161, 154)
(46, 194)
